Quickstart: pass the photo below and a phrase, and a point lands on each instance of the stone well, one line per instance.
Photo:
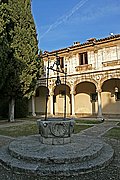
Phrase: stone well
(55, 130)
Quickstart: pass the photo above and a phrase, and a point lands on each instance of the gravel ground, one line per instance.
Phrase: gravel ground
(112, 172)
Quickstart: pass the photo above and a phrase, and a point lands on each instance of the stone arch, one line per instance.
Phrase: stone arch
(40, 99)
(111, 96)
(59, 92)
(54, 86)
(85, 80)
(111, 76)
(85, 98)
(114, 82)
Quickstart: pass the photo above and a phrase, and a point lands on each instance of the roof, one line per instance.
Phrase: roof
(90, 42)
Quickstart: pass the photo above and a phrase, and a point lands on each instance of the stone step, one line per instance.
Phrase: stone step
(79, 150)
(101, 161)
(18, 165)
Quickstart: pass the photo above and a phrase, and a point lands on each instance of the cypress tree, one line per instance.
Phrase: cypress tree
(5, 22)
(19, 51)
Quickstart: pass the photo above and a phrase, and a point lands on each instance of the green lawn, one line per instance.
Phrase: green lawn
(88, 121)
(113, 133)
(79, 128)
(15, 130)
(20, 130)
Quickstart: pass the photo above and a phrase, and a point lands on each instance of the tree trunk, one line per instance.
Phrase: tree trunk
(11, 109)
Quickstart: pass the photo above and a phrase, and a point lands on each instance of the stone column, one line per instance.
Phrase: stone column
(51, 103)
(33, 106)
(99, 104)
(73, 102)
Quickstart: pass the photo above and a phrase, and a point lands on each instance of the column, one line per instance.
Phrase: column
(73, 102)
(51, 103)
(33, 106)
(99, 104)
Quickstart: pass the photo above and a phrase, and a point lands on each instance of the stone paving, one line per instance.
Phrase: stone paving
(99, 129)
(96, 131)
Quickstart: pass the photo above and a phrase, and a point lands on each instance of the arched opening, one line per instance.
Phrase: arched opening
(85, 99)
(40, 100)
(59, 100)
(111, 97)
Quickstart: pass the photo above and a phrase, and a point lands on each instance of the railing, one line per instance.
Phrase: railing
(84, 67)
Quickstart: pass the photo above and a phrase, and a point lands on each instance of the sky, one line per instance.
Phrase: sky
(60, 23)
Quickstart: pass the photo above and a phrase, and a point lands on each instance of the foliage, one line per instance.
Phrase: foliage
(18, 50)
(4, 106)
(40, 65)
(5, 50)
(21, 107)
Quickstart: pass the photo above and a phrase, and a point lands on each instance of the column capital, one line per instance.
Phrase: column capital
(72, 92)
(99, 90)
(51, 93)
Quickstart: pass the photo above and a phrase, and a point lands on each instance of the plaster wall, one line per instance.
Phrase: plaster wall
(59, 105)
(109, 104)
(83, 104)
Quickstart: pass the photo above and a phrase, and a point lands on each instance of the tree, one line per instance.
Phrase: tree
(19, 51)
(5, 22)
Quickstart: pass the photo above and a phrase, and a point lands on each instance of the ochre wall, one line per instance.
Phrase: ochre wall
(109, 104)
(59, 105)
(83, 105)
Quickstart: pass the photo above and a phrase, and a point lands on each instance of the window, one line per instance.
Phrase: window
(61, 62)
(83, 59)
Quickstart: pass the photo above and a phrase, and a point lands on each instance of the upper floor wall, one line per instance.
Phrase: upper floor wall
(94, 55)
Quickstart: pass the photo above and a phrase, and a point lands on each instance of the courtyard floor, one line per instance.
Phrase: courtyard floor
(111, 172)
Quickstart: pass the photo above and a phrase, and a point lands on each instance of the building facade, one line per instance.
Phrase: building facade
(92, 84)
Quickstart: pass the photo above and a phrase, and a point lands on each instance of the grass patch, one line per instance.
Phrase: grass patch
(79, 128)
(20, 130)
(31, 129)
(88, 121)
(113, 133)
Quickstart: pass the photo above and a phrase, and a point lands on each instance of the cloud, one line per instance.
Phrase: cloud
(96, 12)
(64, 18)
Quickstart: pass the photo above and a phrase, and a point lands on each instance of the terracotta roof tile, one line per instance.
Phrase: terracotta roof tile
(96, 41)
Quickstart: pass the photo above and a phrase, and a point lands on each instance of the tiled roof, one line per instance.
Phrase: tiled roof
(88, 43)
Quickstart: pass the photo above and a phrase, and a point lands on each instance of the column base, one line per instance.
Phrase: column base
(33, 114)
(100, 118)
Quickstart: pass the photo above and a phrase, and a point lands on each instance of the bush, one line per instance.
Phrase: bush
(4, 107)
(21, 108)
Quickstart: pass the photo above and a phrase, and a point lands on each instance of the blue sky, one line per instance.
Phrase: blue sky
(59, 23)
